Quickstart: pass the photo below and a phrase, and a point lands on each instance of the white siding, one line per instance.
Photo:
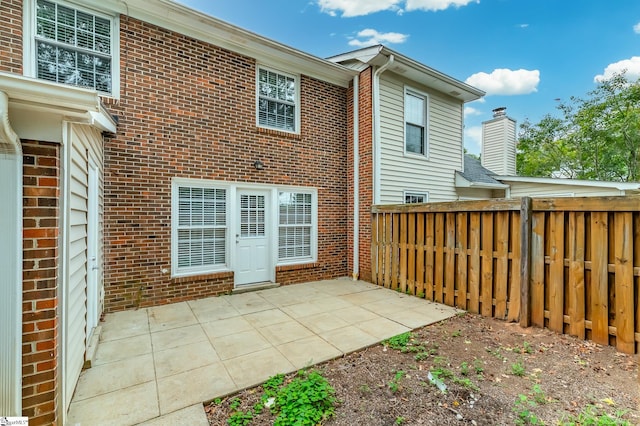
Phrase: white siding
(434, 173)
(522, 189)
(83, 142)
(499, 145)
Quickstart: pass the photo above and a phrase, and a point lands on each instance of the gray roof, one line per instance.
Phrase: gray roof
(474, 172)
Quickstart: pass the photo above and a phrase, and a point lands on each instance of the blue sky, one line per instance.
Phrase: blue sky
(526, 54)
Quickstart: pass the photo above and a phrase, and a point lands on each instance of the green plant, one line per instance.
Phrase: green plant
(517, 369)
(240, 418)
(592, 416)
(420, 295)
(235, 403)
(538, 395)
(465, 382)
(456, 333)
(478, 366)
(394, 384)
(307, 400)
(398, 342)
(526, 347)
(365, 389)
(522, 409)
(400, 420)
(464, 368)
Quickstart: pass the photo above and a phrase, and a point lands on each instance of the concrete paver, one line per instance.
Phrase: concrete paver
(156, 366)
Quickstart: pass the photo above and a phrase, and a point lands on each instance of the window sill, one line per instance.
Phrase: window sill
(201, 277)
(280, 133)
(297, 266)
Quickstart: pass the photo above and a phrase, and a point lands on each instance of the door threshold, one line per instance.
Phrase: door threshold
(245, 288)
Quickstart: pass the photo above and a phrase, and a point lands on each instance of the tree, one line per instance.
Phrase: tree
(596, 138)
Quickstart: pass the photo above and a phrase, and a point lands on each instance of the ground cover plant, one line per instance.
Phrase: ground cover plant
(468, 370)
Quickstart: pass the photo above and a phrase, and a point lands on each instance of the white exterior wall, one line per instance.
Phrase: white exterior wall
(83, 143)
(525, 189)
(434, 173)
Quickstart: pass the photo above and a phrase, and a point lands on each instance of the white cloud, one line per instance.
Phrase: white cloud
(371, 37)
(631, 67)
(473, 139)
(504, 81)
(435, 5)
(471, 111)
(524, 25)
(636, 28)
(350, 8)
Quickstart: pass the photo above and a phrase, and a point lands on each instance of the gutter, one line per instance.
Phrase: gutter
(356, 179)
(376, 129)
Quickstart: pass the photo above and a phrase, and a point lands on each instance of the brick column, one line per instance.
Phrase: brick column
(40, 323)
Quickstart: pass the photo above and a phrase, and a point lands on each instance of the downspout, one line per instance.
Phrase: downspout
(376, 129)
(356, 180)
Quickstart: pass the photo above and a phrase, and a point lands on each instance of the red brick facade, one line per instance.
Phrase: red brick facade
(11, 36)
(40, 322)
(187, 109)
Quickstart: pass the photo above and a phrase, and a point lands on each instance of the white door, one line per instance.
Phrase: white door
(253, 263)
(93, 261)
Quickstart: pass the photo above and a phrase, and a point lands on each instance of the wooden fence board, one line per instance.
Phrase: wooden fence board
(461, 264)
(599, 278)
(576, 251)
(380, 249)
(450, 260)
(439, 261)
(474, 263)
(486, 281)
(375, 243)
(556, 272)
(411, 253)
(624, 300)
(395, 248)
(502, 264)
(387, 250)
(403, 253)
(429, 257)
(420, 254)
(537, 269)
(515, 273)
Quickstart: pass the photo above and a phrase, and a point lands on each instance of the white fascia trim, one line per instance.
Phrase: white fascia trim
(622, 186)
(78, 104)
(198, 25)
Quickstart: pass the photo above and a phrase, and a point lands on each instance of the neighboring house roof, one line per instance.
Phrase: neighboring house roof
(622, 186)
(379, 55)
(476, 176)
(190, 22)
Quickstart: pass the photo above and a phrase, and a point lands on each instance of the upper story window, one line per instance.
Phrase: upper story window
(415, 118)
(415, 197)
(278, 101)
(73, 46)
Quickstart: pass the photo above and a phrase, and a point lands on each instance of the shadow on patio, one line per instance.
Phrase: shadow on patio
(157, 365)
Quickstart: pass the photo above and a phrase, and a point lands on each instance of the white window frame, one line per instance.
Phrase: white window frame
(417, 93)
(177, 271)
(296, 79)
(29, 60)
(313, 256)
(423, 194)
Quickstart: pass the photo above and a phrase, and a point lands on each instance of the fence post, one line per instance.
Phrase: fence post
(525, 261)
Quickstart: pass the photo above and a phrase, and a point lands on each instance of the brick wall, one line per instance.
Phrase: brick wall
(365, 116)
(40, 326)
(11, 36)
(187, 109)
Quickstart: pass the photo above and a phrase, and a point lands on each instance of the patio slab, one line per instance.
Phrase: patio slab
(172, 358)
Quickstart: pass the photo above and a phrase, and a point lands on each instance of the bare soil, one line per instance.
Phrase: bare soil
(479, 361)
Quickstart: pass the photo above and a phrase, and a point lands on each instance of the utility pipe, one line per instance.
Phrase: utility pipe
(376, 129)
(356, 179)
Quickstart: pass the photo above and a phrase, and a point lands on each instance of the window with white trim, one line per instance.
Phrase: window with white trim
(199, 228)
(74, 46)
(295, 225)
(277, 100)
(415, 118)
(415, 197)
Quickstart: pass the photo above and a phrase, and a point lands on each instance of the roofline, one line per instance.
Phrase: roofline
(576, 182)
(373, 54)
(182, 19)
(478, 185)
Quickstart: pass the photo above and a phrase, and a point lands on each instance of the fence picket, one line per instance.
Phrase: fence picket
(537, 269)
(420, 255)
(599, 278)
(402, 278)
(450, 260)
(411, 253)
(486, 252)
(556, 272)
(461, 264)
(624, 309)
(515, 275)
(387, 250)
(439, 261)
(502, 263)
(428, 269)
(474, 263)
(395, 249)
(576, 295)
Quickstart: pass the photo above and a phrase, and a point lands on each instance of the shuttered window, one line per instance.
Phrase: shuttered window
(73, 46)
(201, 229)
(294, 225)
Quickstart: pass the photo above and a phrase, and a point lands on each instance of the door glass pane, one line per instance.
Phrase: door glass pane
(252, 215)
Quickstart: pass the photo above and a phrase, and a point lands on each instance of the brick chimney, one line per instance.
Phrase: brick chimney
(499, 143)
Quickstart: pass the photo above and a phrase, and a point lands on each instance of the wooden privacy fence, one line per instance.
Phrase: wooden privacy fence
(569, 264)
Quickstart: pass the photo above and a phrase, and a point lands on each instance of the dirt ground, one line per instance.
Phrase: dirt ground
(483, 372)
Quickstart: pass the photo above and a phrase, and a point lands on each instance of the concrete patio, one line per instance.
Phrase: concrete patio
(156, 366)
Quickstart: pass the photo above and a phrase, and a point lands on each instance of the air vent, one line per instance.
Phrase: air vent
(455, 93)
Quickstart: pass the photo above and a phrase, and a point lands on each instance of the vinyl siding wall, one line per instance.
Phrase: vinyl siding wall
(434, 173)
(522, 189)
